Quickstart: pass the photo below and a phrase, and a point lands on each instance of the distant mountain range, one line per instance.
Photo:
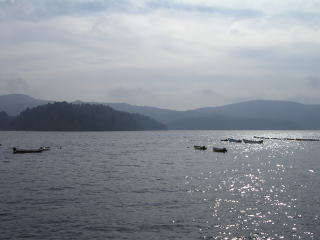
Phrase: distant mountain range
(251, 115)
(13, 104)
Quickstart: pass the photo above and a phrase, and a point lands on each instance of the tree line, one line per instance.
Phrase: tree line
(63, 116)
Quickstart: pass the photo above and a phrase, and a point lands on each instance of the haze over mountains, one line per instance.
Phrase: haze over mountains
(261, 114)
(13, 104)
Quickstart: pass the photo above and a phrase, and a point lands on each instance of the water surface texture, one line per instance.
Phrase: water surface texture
(154, 185)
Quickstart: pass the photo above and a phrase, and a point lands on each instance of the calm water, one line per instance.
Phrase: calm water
(153, 185)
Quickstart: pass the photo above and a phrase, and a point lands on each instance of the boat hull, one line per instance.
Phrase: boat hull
(253, 141)
(21, 151)
(196, 147)
(232, 140)
(222, 150)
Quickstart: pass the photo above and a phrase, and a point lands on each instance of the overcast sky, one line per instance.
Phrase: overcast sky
(178, 54)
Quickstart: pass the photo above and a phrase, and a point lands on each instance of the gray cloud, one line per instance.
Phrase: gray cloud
(208, 92)
(313, 82)
(132, 94)
(11, 84)
(310, 19)
(224, 11)
(293, 57)
(177, 54)
(37, 10)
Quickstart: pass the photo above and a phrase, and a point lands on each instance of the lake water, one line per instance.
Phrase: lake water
(154, 185)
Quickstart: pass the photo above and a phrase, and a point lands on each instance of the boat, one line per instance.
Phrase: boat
(197, 147)
(261, 137)
(290, 139)
(252, 141)
(16, 150)
(307, 139)
(232, 140)
(45, 148)
(216, 149)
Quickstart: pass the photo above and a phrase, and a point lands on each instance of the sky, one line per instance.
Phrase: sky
(176, 54)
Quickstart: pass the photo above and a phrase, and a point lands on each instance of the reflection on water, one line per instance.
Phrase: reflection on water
(154, 185)
(256, 196)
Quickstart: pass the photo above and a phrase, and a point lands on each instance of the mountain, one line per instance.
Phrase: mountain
(13, 104)
(163, 115)
(302, 116)
(250, 115)
(5, 120)
(220, 122)
(260, 114)
(63, 116)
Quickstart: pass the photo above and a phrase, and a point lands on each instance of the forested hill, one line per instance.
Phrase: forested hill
(251, 115)
(5, 120)
(63, 116)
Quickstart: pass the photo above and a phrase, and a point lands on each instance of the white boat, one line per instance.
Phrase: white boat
(45, 148)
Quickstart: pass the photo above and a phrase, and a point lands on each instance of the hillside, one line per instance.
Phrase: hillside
(251, 115)
(260, 114)
(63, 116)
(4, 120)
(13, 104)
(162, 115)
(303, 116)
(219, 122)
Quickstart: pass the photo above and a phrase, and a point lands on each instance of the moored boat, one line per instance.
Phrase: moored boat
(252, 141)
(290, 139)
(307, 139)
(197, 147)
(45, 148)
(232, 140)
(216, 149)
(261, 137)
(16, 150)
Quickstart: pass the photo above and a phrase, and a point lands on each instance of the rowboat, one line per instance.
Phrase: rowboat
(252, 141)
(216, 149)
(197, 147)
(15, 150)
(261, 137)
(232, 140)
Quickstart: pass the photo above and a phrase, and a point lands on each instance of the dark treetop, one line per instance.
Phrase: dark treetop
(63, 116)
(4, 120)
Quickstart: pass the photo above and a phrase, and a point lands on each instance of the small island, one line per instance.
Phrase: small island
(63, 116)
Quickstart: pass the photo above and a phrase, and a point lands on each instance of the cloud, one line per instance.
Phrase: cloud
(12, 84)
(313, 82)
(201, 8)
(298, 17)
(166, 53)
(208, 92)
(291, 57)
(38, 10)
(133, 95)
